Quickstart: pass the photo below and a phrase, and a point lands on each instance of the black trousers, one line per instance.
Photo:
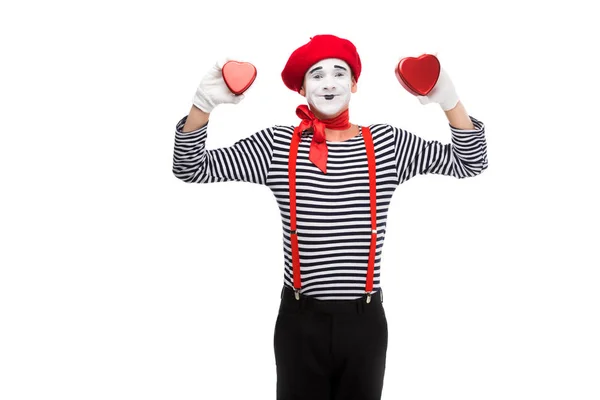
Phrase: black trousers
(330, 349)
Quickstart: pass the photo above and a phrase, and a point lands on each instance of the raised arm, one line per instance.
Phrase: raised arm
(196, 119)
(464, 156)
(247, 160)
(458, 117)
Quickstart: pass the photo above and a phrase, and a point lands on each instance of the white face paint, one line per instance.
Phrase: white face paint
(328, 86)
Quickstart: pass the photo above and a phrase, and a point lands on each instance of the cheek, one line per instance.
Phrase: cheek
(310, 87)
(347, 84)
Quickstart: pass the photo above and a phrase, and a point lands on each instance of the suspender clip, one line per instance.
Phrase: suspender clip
(297, 294)
(368, 297)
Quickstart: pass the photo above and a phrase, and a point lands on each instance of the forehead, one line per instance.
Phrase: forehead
(329, 63)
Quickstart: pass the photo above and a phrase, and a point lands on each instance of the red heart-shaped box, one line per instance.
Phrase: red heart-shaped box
(238, 76)
(418, 75)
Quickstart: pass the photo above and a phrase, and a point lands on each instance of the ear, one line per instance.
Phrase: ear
(354, 87)
(302, 91)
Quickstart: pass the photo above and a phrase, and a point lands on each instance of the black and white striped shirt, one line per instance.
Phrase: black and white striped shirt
(333, 213)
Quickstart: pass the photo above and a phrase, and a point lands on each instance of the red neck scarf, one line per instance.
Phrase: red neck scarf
(318, 146)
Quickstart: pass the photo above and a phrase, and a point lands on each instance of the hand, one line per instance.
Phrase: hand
(213, 91)
(442, 93)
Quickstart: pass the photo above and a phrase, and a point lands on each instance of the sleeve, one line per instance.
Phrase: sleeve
(464, 157)
(247, 160)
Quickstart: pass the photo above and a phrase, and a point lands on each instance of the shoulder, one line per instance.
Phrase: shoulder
(381, 130)
(276, 131)
(282, 135)
(286, 130)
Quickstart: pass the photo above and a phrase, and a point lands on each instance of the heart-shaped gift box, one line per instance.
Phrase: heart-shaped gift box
(238, 76)
(418, 75)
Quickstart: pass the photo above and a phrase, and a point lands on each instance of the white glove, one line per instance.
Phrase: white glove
(213, 91)
(442, 93)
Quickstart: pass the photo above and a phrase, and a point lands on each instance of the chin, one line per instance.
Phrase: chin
(328, 112)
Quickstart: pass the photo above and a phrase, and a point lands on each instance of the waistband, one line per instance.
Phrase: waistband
(359, 305)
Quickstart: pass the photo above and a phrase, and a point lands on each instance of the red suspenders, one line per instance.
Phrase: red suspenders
(373, 201)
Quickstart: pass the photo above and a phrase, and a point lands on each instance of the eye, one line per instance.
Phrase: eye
(317, 76)
(339, 74)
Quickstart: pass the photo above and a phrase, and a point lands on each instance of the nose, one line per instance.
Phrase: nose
(329, 84)
(329, 87)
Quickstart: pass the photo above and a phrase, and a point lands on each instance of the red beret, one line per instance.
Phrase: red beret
(319, 48)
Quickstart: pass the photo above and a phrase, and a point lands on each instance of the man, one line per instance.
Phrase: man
(333, 181)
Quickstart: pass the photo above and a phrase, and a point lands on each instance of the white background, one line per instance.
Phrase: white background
(119, 281)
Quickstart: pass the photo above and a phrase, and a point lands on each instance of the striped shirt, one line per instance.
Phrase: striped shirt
(333, 212)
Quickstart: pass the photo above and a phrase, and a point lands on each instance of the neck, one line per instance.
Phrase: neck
(339, 136)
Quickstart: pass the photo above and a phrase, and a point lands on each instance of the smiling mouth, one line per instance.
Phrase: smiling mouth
(329, 96)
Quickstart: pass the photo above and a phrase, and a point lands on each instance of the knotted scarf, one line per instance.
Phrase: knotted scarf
(318, 146)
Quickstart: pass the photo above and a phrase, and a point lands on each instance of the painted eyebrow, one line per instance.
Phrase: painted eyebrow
(318, 68)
